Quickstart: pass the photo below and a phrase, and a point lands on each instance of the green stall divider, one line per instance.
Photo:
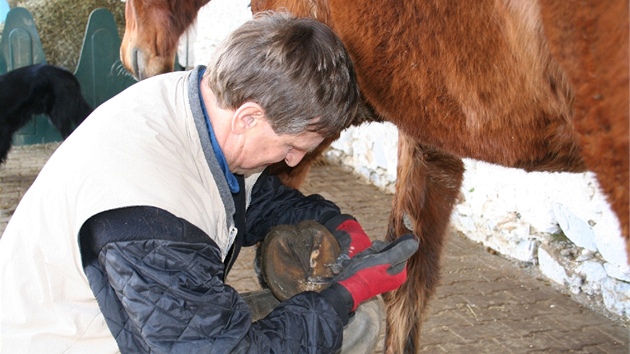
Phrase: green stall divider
(21, 46)
(100, 71)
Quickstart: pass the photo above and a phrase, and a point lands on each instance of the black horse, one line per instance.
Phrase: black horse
(39, 89)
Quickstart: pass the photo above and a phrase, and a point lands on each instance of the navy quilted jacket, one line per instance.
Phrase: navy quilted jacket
(158, 280)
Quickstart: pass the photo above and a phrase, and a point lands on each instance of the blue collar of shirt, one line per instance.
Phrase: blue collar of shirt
(229, 176)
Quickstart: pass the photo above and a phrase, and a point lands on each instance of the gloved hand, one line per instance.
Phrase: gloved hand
(380, 268)
(350, 235)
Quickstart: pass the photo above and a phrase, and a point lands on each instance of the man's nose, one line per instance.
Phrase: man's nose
(294, 157)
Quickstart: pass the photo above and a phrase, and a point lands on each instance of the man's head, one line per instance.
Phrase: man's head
(296, 69)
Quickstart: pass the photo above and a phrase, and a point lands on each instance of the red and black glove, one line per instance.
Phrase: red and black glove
(379, 269)
(350, 235)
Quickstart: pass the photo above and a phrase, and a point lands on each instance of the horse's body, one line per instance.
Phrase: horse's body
(535, 85)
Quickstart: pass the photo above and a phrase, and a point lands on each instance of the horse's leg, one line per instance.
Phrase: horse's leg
(590, 41)
(427, 187)
(293, 177)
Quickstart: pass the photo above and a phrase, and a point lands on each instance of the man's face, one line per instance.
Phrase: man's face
(263, 147)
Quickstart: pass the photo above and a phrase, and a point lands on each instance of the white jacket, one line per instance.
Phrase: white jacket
(142, 147)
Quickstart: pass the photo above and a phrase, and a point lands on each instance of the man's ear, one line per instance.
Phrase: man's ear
(247, 116)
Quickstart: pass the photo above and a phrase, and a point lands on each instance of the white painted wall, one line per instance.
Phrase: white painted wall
(509, 210)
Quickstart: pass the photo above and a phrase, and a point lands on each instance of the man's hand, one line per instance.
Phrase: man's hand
(350, 235)
(379, 269)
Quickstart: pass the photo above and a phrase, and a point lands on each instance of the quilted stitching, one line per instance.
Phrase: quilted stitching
(186, 308)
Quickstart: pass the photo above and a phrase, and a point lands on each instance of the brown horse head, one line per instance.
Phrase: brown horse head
(152, 30)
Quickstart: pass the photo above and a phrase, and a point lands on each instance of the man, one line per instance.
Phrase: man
(124, 240)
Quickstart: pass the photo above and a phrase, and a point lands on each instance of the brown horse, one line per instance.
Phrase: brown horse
(539, 85)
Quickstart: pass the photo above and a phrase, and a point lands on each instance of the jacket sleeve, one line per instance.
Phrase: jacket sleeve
(273, 203)
(158, 282)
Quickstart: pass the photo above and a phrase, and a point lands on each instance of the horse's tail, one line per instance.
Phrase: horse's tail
(407, 305)
(427, 188)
